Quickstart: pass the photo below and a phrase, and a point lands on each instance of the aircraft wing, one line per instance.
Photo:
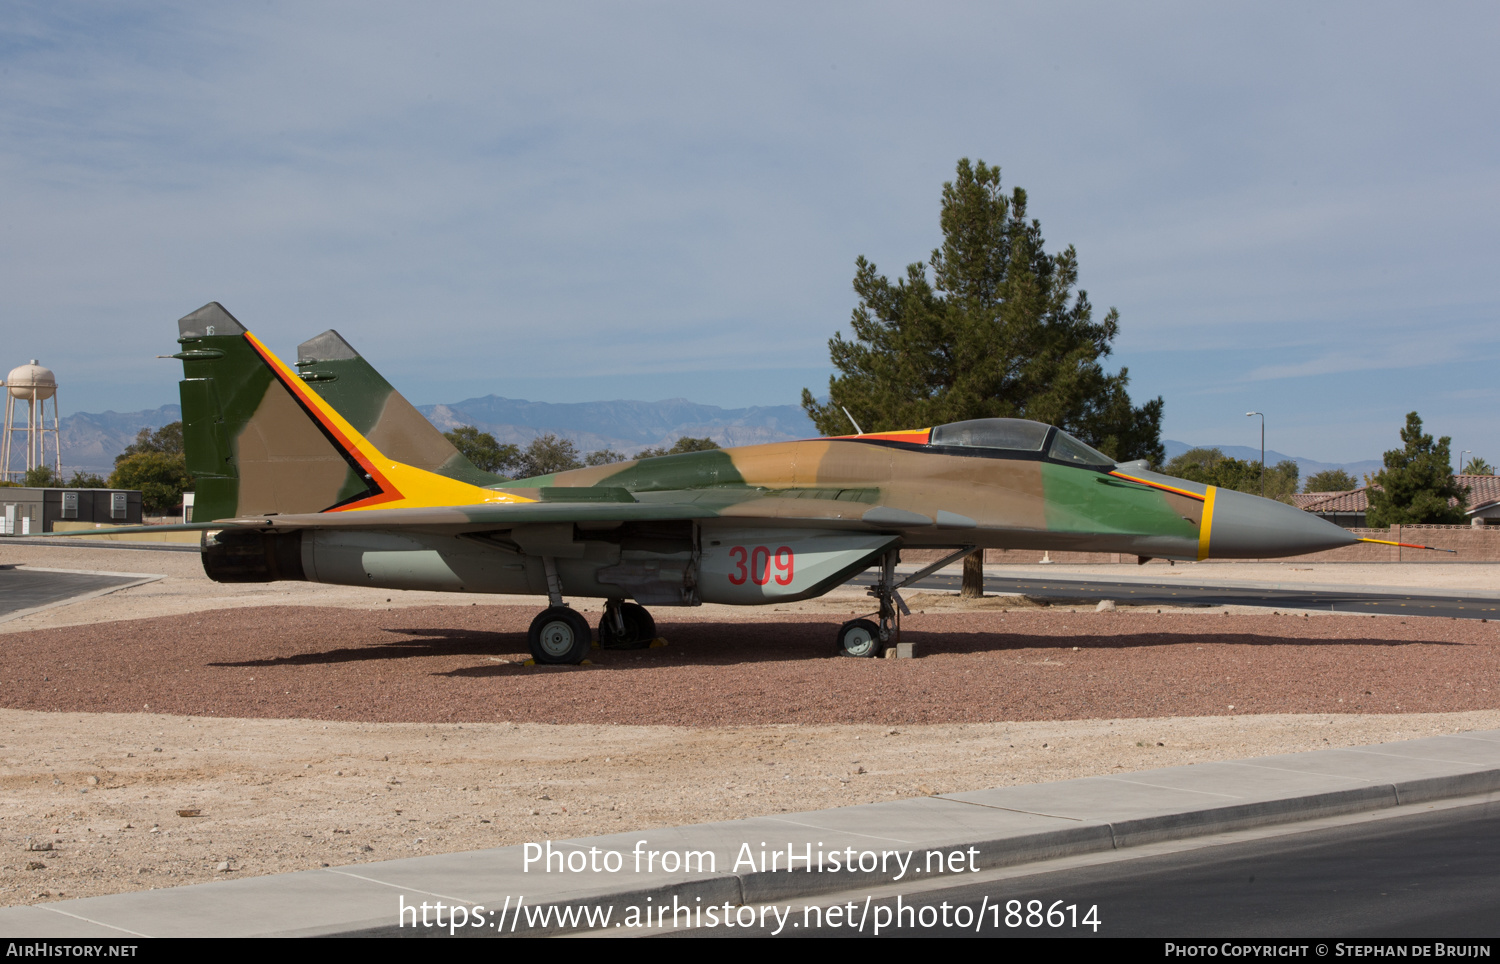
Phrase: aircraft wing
(470, 518)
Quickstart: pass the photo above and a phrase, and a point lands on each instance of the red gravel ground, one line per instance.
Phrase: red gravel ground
(459, 664)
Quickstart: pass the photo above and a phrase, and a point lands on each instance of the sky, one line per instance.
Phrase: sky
(1293, 206)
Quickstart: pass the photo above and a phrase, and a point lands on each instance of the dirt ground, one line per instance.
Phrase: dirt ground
(183, 731)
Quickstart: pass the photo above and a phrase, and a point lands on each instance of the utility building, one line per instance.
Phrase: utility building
(34, 511)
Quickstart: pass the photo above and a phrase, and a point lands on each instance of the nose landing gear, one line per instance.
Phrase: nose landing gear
(863, 638)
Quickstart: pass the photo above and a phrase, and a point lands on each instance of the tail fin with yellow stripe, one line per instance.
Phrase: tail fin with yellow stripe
(259, 441)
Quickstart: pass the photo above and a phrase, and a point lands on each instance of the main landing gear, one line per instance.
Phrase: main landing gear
(560, 635)
(625, 625)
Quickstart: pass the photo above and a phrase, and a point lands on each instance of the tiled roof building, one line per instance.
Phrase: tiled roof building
(1348, 508)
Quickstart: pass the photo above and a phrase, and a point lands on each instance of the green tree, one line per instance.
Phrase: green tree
(85, 480)
(160, 477)
(167, 440)
(1417, 484)
(155, 464)
(1207, 465)
(1212, 467)
(1478, 466)
(481, 448)
(548, 454)
(684, 444)
(1333, 480)
(996, 332)
(603, 457)
(42, 477)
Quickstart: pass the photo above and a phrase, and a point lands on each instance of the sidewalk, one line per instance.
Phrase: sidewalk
(1471, 580)
(1483, 583)
(745, 862)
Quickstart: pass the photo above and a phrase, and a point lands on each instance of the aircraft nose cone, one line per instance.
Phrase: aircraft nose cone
(1249, 527)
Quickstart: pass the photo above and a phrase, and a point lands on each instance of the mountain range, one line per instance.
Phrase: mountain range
(623, 426)
(90, 441)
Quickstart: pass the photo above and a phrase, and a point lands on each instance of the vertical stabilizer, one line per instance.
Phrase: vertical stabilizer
(332, 368)
(251, 446)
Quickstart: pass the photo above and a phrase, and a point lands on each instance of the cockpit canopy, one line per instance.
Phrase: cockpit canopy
(1019, 435)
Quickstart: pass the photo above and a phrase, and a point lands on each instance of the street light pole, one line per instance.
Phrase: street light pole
(1262, 451)
(1461, 460)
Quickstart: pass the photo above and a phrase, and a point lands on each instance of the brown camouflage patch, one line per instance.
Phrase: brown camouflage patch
(286, 463)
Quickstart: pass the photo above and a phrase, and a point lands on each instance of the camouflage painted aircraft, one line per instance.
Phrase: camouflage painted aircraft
(329, 475)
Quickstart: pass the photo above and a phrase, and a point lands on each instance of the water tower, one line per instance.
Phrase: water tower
(33, 385)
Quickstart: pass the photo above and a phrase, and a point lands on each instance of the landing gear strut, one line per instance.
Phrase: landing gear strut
(558, 634)
(865, 639)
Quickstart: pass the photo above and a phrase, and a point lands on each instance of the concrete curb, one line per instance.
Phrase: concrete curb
(1138, 580)
(983, 830)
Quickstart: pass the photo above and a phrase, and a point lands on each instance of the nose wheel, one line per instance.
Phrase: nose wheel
(860, 638)
(559, 635)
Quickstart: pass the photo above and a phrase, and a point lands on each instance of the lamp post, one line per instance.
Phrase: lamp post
(1262, 451)
(1461, 460)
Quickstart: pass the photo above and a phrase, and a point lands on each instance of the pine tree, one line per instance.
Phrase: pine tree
(1416, 484)
(996, 333)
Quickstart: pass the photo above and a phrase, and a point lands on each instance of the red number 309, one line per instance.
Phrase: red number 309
(755, 565)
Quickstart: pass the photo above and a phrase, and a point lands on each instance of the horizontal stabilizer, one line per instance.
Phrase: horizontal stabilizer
(135, 530)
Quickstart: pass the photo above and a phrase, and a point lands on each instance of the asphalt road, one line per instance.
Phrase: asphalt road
(29, 588)
(1130, 593)
(1427, 875)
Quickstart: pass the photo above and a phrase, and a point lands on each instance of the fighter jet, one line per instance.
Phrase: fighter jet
(328, 475)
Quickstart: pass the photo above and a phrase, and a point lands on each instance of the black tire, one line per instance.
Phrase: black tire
(559, 635)
(640, 629)
(860, 638)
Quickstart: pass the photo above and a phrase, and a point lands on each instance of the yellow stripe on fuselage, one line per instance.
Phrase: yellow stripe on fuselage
(1205, 528)
(414, 488)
